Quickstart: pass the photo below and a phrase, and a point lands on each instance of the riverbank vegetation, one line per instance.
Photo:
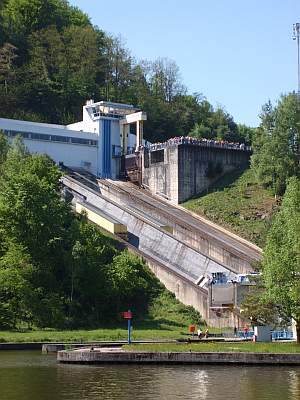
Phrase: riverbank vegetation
(113, 333)
(281, 260)
(166, 318)
(245, 347)
(276, 164)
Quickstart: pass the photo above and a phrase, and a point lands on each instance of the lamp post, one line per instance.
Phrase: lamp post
(296, 36)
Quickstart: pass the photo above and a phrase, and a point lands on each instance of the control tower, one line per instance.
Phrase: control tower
(97, 144)
(111, 123)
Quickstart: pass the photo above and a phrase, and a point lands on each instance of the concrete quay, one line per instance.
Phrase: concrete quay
(53, 347)
(118, 356)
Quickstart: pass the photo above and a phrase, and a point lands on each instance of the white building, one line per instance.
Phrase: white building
(95, 143)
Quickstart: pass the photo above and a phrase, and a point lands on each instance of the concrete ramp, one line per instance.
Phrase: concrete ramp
(217, 243)
(176, 263)
(148, 235)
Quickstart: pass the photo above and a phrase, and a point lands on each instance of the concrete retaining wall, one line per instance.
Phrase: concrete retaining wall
(97, 357)
(199, 167)
(185, 291)
(187, 170)
(21, 346)
(200, 241)
(162, 178)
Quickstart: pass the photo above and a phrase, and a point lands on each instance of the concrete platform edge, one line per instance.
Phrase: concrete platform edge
(123, 357)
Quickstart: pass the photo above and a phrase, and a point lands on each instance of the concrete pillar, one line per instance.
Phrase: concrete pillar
(139, 134)
(124, 138)
(294, 326)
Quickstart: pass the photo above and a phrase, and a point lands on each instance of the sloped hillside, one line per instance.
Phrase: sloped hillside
(240, 204)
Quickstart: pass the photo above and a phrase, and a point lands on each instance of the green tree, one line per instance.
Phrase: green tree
(65, 69)
(90, 285)
(31, 212)
(33, 216)
(118, 69)
(133, 283)
(246, 133)
(258, 307)
(215, 124)
(22, 17)
(281, 260)
(7, 57)
(165, 80)
(40, 33)
(15, 289)
(276, 145)
(3, 148)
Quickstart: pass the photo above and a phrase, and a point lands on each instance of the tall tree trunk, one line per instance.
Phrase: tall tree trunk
(298, 331)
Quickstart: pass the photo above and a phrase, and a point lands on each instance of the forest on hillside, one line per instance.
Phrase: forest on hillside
(52, 59)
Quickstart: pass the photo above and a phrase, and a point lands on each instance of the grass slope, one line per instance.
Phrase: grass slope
(247, 347)
(238, 203)
(167, 319)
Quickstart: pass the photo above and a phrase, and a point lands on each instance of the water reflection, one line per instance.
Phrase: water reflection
(30, 375)
(294, 383)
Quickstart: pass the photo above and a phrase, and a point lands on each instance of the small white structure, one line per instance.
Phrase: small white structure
(263, 333)
(294, 329)
(95, 144)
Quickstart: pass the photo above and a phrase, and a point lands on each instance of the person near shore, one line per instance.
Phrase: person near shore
(199, 333)
(235, 331)
(206, 333)
(246, 332)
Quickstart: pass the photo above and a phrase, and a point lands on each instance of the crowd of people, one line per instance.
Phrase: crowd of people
(200, 142)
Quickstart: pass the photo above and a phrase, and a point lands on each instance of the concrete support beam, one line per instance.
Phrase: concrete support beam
(139, 135)
(124, 129)
(138, 118)
(135, 117)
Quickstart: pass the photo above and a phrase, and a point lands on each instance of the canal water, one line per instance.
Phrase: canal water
(33, 376)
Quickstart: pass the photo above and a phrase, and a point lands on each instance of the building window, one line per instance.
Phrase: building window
(38, 136)
(157, 156)
(56, 138)
(52, 138)
(130, 150)
(116, 151)
(80, 141)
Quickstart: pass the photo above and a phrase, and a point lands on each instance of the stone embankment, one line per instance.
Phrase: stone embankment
(119, 356)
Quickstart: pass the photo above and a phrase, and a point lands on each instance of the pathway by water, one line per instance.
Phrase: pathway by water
(33, 376)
